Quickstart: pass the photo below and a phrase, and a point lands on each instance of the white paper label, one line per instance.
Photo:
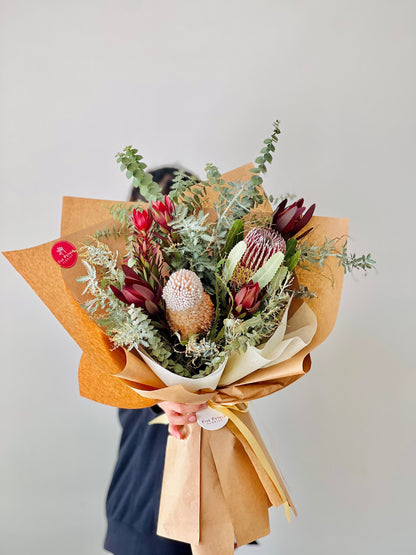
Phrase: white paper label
(211, 419)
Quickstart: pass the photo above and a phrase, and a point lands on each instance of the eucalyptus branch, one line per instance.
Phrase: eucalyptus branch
(131, 162)
(316, 255)
(265, 157)
(274, 201)
(187, 190)
(121, 213)
(350, 261)
(126, 325)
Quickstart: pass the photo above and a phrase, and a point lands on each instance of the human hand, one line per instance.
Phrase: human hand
(179, 415)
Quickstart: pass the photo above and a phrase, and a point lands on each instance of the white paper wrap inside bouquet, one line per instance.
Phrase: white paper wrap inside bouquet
(191, 384)
(289, 338)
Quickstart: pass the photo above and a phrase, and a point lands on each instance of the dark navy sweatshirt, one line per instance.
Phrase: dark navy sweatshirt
(133, 498)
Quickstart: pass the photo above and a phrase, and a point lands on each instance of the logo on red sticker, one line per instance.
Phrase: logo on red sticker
(65, 254)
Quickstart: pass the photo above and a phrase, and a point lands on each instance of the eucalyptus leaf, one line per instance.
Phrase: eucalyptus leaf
(151, 192)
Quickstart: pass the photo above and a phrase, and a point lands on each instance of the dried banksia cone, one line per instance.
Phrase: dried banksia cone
(189, 310)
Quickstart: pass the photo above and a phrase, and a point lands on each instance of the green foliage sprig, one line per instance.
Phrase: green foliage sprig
(107, 233)
(131, 162)
(350, 261)
(274, 201)
(187, 190)
(126, 325)
(192, 250)
(235, 201)
(122, 213)
(203, 354)
(265, 156)
(316, 255)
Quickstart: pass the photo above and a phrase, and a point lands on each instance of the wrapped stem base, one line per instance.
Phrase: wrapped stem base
(215, 489)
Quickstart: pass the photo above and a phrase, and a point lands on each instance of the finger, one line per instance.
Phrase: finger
(180, 419)
(182, 408)
(189, 409)
(191, 417)
(174, 430)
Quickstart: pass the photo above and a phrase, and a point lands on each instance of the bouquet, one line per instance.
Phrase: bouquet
(214, 293)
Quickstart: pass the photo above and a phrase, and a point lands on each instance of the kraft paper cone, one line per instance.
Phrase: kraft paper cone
(96, 382)
(211, 485)
(248, 510)
(205, 504)
(216, 531)
(183, 493)
(221, 458)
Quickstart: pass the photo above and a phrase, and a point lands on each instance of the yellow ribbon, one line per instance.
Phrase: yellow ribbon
(161, 419)
(252, 441)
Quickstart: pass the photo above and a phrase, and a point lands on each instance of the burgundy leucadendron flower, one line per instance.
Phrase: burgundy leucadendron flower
(247, 300)
(136, 291)
(142, 221)
(163, 212)
(289, 221)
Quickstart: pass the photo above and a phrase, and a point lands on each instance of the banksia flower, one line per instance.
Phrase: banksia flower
(189, 310)
(289, 221)
(262, 244)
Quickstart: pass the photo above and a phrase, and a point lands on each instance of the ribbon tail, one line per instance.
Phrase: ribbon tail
(287, 511)
(161, 419)
(259, 453)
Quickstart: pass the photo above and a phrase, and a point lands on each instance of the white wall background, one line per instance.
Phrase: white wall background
(193, 82)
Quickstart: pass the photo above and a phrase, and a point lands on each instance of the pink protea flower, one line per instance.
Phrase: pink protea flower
(138, 292)
(142, 221)
(247, 300)
(289, 221)
(262, 244)
(163, 212)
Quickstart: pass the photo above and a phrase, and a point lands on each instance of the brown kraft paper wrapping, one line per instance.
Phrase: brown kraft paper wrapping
(201, 501)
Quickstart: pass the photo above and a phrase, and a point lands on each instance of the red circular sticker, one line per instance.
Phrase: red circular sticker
(65, 254)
